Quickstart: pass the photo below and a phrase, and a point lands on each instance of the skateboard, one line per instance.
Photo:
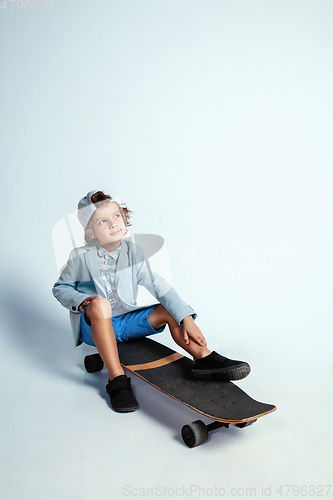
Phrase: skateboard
(170, 372)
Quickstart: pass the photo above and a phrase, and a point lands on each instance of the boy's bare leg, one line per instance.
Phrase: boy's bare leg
(98, 314)
(160, 316)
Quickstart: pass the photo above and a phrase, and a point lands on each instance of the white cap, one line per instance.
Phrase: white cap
(86, 207)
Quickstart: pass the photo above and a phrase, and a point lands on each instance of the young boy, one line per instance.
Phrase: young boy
(101, 280)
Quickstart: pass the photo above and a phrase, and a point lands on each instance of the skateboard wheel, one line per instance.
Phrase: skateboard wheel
(194, 433)
(246, 424)
(93, 363)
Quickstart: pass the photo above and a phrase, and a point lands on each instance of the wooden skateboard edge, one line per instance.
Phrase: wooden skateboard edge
(211, 417)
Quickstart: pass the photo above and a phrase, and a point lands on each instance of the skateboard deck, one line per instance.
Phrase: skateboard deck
(170, 372)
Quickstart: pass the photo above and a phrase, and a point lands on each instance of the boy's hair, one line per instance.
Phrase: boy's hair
(98, 200)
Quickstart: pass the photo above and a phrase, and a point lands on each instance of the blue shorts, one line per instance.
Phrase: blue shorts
(129, 326)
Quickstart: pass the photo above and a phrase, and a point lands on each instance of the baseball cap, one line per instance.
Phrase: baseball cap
(86, 207)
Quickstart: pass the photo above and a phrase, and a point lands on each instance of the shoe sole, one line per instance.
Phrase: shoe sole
(238, 373)
(124, 410)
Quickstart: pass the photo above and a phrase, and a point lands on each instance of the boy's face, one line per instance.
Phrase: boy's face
(108, 226)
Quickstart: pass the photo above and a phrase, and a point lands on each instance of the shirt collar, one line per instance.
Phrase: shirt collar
(102, 252)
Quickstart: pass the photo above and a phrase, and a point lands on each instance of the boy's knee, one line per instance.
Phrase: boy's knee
(100, 308)
(162, 313)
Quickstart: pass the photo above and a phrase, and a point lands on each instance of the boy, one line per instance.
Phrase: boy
(101, 282)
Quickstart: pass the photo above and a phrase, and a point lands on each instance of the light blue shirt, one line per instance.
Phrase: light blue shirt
(107, 262)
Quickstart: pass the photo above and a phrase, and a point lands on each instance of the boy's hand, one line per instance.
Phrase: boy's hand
(85, 303)
(190, 329)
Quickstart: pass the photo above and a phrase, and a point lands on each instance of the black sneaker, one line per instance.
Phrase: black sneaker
(121, 395)
(215, 366)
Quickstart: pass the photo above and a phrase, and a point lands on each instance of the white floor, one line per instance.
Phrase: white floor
(60, 438)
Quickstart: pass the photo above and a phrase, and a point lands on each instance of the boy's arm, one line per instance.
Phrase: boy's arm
(64, 289)
(190, 329)
(164, 293)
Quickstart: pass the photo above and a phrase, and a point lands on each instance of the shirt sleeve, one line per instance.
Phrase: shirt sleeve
(64, 290)
(163, 292)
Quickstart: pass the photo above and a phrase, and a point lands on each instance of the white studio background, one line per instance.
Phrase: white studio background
(212, 121)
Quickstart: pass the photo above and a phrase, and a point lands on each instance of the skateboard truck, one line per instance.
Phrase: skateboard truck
(196, 432)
